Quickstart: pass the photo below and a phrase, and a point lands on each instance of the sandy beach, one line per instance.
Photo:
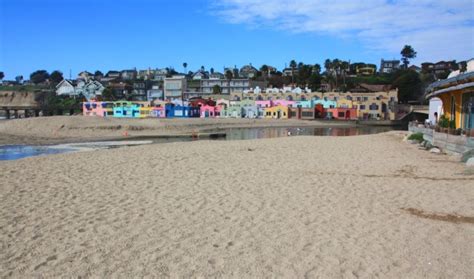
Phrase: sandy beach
(327, 207)
(62, 129)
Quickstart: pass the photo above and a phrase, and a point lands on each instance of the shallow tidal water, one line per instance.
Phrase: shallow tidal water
(14, 152)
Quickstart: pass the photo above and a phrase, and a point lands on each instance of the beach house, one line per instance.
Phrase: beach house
(207, 111)
(95, 108)
(126, 109)
(457, 96)
(277, 112)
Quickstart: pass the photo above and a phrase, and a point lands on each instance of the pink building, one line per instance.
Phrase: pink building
(342, 113)
(95, 108)
(208, 111)
(284, 103)
(264, 104)
(158, 111)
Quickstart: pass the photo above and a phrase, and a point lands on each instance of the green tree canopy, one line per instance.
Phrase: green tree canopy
(407, 53)
(108, 94)
(2, 75)
(56, 76)
(216, 89)
(39, 76)
(409, 85)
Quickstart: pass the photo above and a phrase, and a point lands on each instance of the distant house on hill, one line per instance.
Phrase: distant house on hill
(160, 74)
(248, 71)
(216, 75)
(199, 75)
(440, 69)
(288, 72)
(415, 68)
(89, 89)
(366, 70)
(389, 66)
(85, 75)
(113, 74)
(129, 74)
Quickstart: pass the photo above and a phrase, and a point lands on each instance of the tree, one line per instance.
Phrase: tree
(202, 68)
(327, 65)
(409, 85)
(463, 66)
(56, 76)
(2, 75)
(98, 74)
(228, 77)
(108, 94)
(264, 69)
(316, 68)
(407, 53)
(39, 76)
(212, 71)
(314, 82)
(216, 89)
(185, 66)
(292, 66)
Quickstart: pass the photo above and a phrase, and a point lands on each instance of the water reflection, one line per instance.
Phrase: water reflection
(259, 133)
(13, 152)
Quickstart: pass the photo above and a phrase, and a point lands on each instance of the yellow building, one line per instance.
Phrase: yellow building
(145, 112)
(276, 112)
(457, 94)
(344, 103)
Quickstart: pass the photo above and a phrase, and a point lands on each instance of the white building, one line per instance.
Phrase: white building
(174, 87)
(89, 89)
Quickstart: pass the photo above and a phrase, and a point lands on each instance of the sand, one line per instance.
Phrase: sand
(63, 129)
(327, 207)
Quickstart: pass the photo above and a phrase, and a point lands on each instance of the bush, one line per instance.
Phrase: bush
(443, 121)
(416, 136)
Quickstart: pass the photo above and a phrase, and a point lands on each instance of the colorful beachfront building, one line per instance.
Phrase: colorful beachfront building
(207, 111)
(158, 112)
(341, 113)
(125, 109)
(457, 95)
(277, 112)
(97, 108)
(179, 111)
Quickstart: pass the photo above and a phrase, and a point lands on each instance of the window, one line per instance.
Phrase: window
(362, 107)
(340, 114)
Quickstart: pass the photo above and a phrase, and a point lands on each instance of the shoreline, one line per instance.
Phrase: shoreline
(71, 129)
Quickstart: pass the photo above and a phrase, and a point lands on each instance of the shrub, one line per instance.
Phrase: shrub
(416, 136)
(443, 121)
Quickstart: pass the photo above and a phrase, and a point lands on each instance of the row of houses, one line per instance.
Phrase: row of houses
(349, 107)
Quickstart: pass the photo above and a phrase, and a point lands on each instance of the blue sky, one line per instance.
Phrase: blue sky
(104, 35)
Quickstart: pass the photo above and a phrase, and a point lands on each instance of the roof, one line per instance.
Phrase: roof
(375, 87)
(458, 82)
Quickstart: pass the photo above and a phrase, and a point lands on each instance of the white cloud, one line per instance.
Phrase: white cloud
(439, 29)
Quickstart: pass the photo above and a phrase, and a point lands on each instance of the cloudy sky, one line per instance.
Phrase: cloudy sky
(76, 35)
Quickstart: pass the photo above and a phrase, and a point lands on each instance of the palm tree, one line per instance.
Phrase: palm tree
(317, 68)
(185, 66)
(407, 53)
(228, 77)
(292, 66)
